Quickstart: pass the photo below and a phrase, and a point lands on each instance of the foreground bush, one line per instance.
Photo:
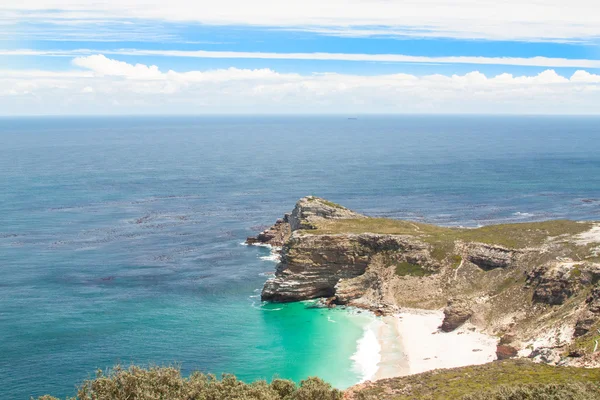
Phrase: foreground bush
(567, 391)
(166, 383)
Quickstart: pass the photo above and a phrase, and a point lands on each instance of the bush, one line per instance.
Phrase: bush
(166, 383)
(571, 391)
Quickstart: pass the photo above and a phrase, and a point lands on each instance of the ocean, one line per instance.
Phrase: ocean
(121, 238)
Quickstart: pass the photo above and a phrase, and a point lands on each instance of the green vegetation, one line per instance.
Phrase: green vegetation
(408, 269)
(488, 380)
(574, 391)
(327, 203)
(516, 236)
(510, 235)
(505, 380)
(166, 383)
(456, 261)
(587, 343)
(576, 271)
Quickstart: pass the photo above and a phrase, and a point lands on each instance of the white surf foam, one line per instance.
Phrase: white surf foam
(523, 214)
(368, 353)
(273, 257)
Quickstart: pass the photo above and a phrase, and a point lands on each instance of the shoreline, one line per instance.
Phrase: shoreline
(410, 342)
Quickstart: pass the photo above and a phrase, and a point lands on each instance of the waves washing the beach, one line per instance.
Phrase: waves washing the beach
(368, 353)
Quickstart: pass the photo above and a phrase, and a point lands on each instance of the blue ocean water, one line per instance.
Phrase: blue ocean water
(120, 237)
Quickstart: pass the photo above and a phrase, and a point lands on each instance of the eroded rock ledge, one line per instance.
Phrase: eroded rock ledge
(534, 285)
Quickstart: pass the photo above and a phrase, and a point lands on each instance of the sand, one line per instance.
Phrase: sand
(411, 343)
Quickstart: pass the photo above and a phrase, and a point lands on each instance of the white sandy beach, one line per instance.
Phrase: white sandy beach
(410, 343)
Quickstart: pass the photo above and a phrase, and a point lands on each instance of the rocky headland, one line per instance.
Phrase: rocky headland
(534, 286)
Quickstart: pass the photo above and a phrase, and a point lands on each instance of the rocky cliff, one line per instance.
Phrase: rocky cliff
(534, 285)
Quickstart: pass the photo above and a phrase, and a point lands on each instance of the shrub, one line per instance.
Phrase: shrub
(166, 383)
(569, 391)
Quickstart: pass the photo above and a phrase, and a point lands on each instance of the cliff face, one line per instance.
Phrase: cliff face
(534, 285)
(318, 265)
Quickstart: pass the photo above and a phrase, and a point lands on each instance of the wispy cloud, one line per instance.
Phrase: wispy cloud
(548, 62)
(527, 20)
(101, 85)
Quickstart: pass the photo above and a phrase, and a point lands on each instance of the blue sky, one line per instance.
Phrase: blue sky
(261, 56)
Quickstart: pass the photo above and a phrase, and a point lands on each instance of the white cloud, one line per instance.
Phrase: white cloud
(105, 86)
(585, 77)
(475, 19)
(390, 58)
(102, 66)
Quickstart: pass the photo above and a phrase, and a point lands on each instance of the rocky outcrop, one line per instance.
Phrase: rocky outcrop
(488, 257)
(593, 300)
(504, 352)
(455, 314)
(274, 236)
(557, 281)
(310, 210)
(319, 265)
(307, 212)
(315, 266)
(585, 324)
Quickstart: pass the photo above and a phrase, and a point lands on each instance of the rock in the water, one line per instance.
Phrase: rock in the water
(455, 314)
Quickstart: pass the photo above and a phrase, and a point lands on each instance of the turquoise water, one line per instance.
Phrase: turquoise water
(120, 238)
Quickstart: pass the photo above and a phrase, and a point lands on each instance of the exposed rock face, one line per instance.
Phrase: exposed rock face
(488, 257)
(347, 290)
(504, 352)
(585, 324)
(554, 284)
(275, 236)
(310, 210)
(456, 314)
(307, 212)
(593, 300)
(313, 265)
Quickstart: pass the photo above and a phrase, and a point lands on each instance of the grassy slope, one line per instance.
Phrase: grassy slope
(517, 235)
(442, 239)
(458, 382)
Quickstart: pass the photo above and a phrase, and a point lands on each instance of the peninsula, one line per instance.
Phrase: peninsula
(531, 287)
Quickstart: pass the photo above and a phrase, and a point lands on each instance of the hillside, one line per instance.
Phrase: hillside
(533, 285)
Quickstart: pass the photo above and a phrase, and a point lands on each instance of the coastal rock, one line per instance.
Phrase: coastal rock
(489, 257)
(553, 284)
(309, 210)
(504, 352)
(455, 315)
(546, 355)
(347, 290)
(313, 265)
(593, 300)
(585, 324)
(274, 236)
